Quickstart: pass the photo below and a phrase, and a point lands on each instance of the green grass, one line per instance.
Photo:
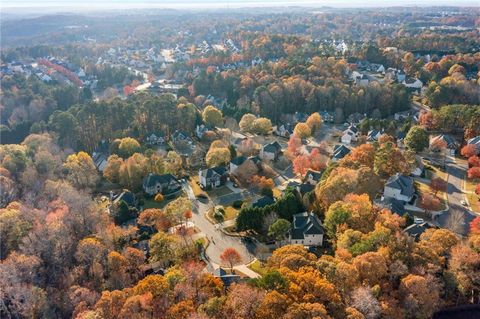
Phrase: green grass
(473, 199)
(423, 188)
(258, 267)
(151, 203)
(230, 213)
(221, 191)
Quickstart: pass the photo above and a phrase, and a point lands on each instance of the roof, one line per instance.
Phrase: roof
(403, 183)
(255, 159)
(415, 230)
(395, 205)
(474, 140)
(352, 128)
(305, 224)
(153, 179)
(315, 175)
(263, 201)
(449, 140)
(272, 147)
(210, 172)
(340, 151)
(373, 134)
(305, 188)
(239, 160)
(127, 196)
(401, 135)
(182, 134)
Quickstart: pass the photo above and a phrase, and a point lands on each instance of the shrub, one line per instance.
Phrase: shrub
(237, 204)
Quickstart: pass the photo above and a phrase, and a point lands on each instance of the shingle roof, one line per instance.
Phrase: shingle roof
(263, 201)
(272, 147)
(474, 140)
(315, 175)
(238, 160)
(403, 183)
(305, 224)
(449, 140)
(153, 179)
(209, 172)
(339, 151)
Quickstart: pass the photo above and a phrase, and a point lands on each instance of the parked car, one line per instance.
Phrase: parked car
(464, 203)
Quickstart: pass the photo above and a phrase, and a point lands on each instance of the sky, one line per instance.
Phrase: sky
(206, 4)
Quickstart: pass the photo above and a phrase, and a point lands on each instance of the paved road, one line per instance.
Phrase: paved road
(218, 240)
(458, 217)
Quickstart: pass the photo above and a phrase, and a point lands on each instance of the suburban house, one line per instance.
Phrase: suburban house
(100, 161)
(284, 130)
(164, 184)
(362, 80)
(127, 196)
(401, 76)
(415, 230)
(157, 138)
(444, 142)
(350, 135)
(180, 136)
(312, 177)
(373, 135)
(412, 83)
(271, 151)
(399, 187)
(213, 177)
(400, 139)
(339, 152)
(475, 141)
(394, 205)
(200, 130)
(306, 230)
(235, 163)
(326, 117)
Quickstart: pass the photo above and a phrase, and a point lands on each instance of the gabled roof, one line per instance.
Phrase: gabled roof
(263, 201)
(127, 196)
(415, 230)
(210, 172)
(180, 134)
(272, 147)
(153, 179)
(474, 140)
(352, 128)
(395, 205)
(340, 151)
(239, 160)
(305, 224)
(402, 183)
(449, 140)
(373, 135)
(305, 188)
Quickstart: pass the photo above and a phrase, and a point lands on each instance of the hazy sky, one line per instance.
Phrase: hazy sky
(227, 3)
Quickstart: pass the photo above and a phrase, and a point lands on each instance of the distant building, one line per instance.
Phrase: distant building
(157, 138)
(180, 136)
(326, 117)
(350, 135)
(373, 135)
(306, 230)
(284, 130)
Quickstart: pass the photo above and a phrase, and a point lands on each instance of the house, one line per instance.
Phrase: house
(180, 136)
(326, 117)
(284, 130)
(157, 138)
(271, 151)
(400, 138)
(356, 118)
(415, 230)
(263, 201)
(128, 197)
(475, 141)
(312, 177)
(373, 135)
(444, 142)
(164, 184)
(401, 76)
(413, 83)
(235, 163)
(100, 160)
(339, 152)
(400, 187)
(213, 177)
(394, 205)
(306, 230)
(350, 135)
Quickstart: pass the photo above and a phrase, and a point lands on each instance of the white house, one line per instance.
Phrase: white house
(350, 135)
(373, 135)
(413, 83)
(156, 138)
(444, 142)
(399, 187)
(284, 130)
(306, 230)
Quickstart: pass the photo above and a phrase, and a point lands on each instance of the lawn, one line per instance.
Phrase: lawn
(230, 213)
(472, 197)
(258, 267)
(151, 203)
(423, 188)
(220, 191)
(195, 187)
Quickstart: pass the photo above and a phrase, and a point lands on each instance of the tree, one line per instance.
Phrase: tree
(212, 116)
(231, 256)
(364, 301)
(420, 295)
(301, 164)
(159, 198)
(162, 247)
(371, 266)
(247, 122)
(314, 121)
(475, 226)
(468, 150)
(437, 184)
(363, 154)
(474, 161)
(128, 146)
(279, 229)
(417, 138)
(302, 130)
(262, 126)
(218, 156)
(112, 170)
(430, 202)
(81, 170)
(474, 172)
(294, 146)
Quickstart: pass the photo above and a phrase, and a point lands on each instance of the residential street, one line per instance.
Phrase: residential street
(218, 240)
(458, 217)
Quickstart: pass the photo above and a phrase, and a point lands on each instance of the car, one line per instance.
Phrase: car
(464, 203)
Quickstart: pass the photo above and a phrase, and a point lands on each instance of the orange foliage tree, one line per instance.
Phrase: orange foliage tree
(231, 256)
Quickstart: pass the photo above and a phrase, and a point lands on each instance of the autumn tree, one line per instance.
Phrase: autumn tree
(437, 184)
(81, 170)
(474, 161)
(231, 257)
(218, 156)
(301, 164)
(420, 295)
(128, 146)
(262, 125)
(279, 229)
(473, 172)
(302, 130)
(468, 150)
(212, 116)
(162, 247)
(314, 121)
(363, 154)
(247, 122)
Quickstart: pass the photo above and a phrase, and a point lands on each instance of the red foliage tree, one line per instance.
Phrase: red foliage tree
(468, 150)
(293, 148)
(437, 184)
(477, 189)
(231, 256)
(474, 161)
(475, 226)
(301, 164)
(430, 202)
(474, 172)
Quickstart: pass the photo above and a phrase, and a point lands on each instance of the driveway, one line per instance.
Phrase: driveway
(458, 217)
(219, 241)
